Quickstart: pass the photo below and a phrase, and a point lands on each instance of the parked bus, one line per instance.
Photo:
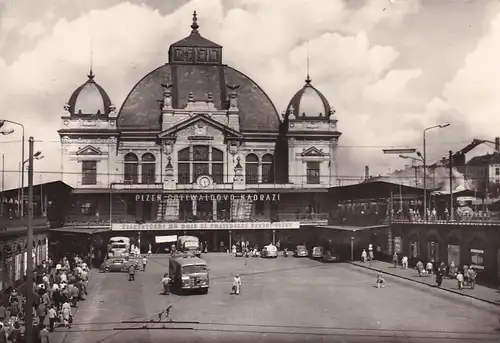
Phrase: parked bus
(119, 247)
(189, 273)
(189, 244)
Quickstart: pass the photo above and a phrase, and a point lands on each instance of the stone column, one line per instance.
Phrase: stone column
(274, 237)
(230, 240)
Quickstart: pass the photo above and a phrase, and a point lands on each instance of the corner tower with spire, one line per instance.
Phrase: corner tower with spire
(310, 137)
(88, 134)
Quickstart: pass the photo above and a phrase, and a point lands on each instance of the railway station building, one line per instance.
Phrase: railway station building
(198, 146)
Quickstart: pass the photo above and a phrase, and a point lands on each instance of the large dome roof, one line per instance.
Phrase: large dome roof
(308, 102)
(89, 98)
(195, 66)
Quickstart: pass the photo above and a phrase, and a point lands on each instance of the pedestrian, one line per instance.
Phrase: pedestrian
(439, 277)
(144, 263)
(466, 275)
(460, 280)
(429, 267)
(404, 262)
(52, 314)
(15, 333)
(236, 284)
(370, 252)
(221, 246)
(166, 284)
(41, 312)
(395, 260)
(420, 268)
(44, 334)
(131, 273)
(66, 314)
(380, 280)
(364, 256)
(3, 333)
(472, 278)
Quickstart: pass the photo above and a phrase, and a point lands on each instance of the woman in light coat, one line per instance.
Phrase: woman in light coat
(66, 314)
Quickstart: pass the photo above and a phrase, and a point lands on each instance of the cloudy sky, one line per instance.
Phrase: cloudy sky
(389, 67)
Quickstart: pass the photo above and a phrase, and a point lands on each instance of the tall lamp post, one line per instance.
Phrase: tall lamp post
(442, 126)
(4, 132)
(29, 250)
(2, 123)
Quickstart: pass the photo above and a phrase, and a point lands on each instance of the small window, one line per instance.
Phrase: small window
(89, 172)
(497, 171)
(313, 172)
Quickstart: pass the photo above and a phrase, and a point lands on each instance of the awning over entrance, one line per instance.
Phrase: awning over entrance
(374, 190)
(82, 230)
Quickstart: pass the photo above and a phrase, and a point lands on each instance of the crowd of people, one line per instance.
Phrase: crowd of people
(57, 289)
(465, 276)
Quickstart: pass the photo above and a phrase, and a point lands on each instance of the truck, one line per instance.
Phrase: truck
(189, 244)
(189, 273)
(119, 247)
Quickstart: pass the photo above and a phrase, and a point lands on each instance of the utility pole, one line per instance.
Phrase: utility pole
(451, 184)
(29, 248)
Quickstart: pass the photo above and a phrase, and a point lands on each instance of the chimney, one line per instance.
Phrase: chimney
(497, 144)
(367, 172)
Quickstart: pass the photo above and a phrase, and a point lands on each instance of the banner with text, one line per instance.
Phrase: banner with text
(205, 226)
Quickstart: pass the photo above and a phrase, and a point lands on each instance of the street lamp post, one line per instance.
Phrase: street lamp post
(2, 123)
(425, 165)
(352, 248)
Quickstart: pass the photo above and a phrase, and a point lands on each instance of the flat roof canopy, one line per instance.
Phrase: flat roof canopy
(372, 190)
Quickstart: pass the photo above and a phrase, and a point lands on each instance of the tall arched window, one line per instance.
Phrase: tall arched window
(148, 164)
(131, 168)
(252, 169)
(267, 169)
(199, 160)
(183, 171)
(217, 165)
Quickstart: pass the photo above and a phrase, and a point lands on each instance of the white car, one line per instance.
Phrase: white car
(269, 251)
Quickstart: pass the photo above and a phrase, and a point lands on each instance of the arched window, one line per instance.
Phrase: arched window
(252, 169)
(267, 169)
(183, 166)
(131, 168)
(148, 163)
(199, 160)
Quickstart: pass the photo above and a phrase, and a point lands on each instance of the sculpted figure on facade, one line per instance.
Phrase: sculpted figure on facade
(167, 96)
(66, 108)
(233, 97)
(291, 113)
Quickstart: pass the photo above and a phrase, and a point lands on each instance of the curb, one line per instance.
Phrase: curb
(426, 284)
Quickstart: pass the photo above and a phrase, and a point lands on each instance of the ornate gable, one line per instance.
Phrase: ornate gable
(200, 127)
(313, 152)
(89, 150)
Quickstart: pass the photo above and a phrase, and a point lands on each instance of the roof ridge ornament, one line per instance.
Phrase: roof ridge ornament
(194, 25)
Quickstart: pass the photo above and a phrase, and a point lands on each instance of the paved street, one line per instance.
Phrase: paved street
(282, 300)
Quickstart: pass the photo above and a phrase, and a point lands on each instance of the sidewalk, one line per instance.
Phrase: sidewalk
(479, 292)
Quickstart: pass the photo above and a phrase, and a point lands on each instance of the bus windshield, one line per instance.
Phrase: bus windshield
(118, 246)
(194, 269)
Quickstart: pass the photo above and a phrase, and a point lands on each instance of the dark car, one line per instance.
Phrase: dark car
(117, 265)
(330, 256)
(300, 251)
